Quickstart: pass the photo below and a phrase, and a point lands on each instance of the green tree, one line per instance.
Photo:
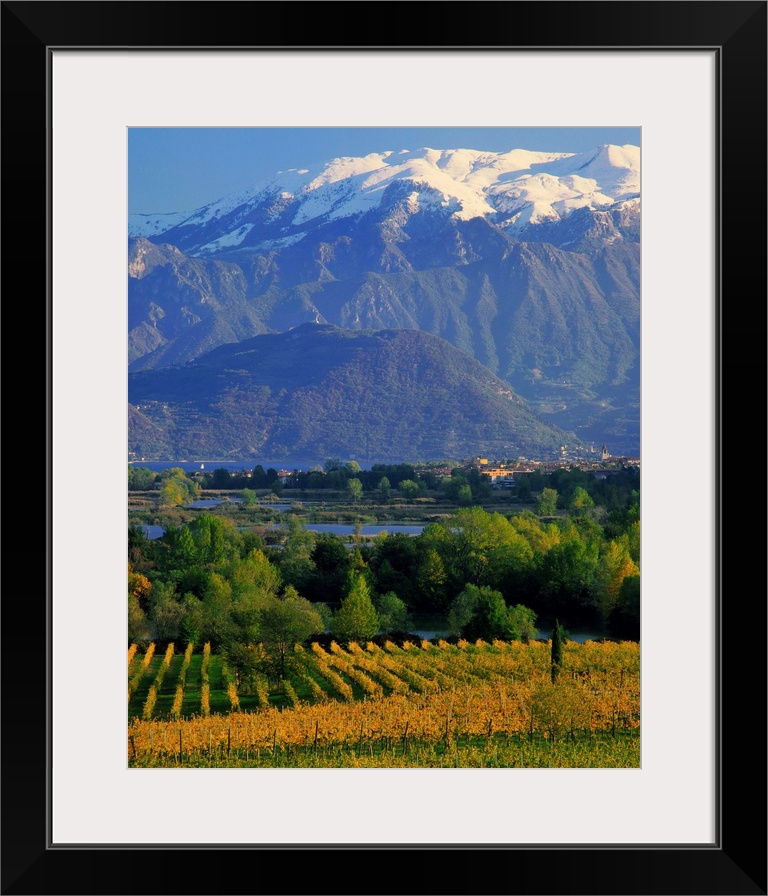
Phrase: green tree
(140, 478)
(283, 623)
(295, 559)
(220, 479)
(246, 661)
(581, 502)
(250, 498)
(557, 650)
(451, 485)
(547, 504)
(384, 488)
(394, 559)
(539, 535)
(208, 533)
(253, 575)
(332, 564)
(464, 495)
(172, 494)
(325, 613)
(218, 625)
(193, 622)
(167, 616)
(614, 566)
(566, 576)
(521, 624)
(393, 613)
(409, 489)
(356, 619)
(431, 581)
(479, 547)
(138, 624)
(315, 479)
(245, 615)
(355, 489)
(180, 548)
(142, 551)
(478, 613)
(633, 541)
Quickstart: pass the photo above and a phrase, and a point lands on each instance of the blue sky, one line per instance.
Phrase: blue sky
(181, 169)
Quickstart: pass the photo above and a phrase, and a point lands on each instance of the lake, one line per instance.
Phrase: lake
(211, 502)
(347, 529)
(333, 528)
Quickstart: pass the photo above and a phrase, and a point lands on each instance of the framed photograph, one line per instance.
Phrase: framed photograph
(691, 819)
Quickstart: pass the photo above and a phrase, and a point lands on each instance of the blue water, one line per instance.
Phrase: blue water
(153, 532)
(343, 529)
(211, 502)
(336, 529)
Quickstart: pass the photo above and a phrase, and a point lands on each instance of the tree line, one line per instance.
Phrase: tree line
(567, 489)
(490, 575)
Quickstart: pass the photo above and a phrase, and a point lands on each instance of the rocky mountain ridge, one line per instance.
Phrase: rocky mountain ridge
(527, 262)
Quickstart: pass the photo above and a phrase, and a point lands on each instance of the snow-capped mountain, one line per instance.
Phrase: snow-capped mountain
(528, 262)
(516, 191)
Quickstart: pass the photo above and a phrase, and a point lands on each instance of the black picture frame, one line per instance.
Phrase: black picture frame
(736, 863)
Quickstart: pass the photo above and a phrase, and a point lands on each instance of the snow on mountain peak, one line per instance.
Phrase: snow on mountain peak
(515, 189)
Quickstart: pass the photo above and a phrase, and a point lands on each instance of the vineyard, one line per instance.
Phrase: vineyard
(422, 704)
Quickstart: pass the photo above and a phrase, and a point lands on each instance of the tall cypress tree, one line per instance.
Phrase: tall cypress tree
(557, 650)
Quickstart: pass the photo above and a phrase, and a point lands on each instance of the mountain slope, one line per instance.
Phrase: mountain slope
(562, 328)
(528, 262)
(324, 391)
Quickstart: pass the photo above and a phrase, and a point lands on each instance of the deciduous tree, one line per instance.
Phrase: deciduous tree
(478, 612)
(138, 624)
(295, 559)
(581, 502)
(140, 478)
(478, 547)
(615, 565)
(547, 503)
(393, 613)
(249, 497)
(356, 619)
(521, 624)
(283, 623)
(464, 496)
(355, 489)
(409, 489)
(431, 581)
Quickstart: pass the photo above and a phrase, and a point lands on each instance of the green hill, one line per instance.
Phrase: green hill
(319, 390)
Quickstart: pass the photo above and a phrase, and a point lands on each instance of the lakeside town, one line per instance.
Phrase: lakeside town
(502, 473)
